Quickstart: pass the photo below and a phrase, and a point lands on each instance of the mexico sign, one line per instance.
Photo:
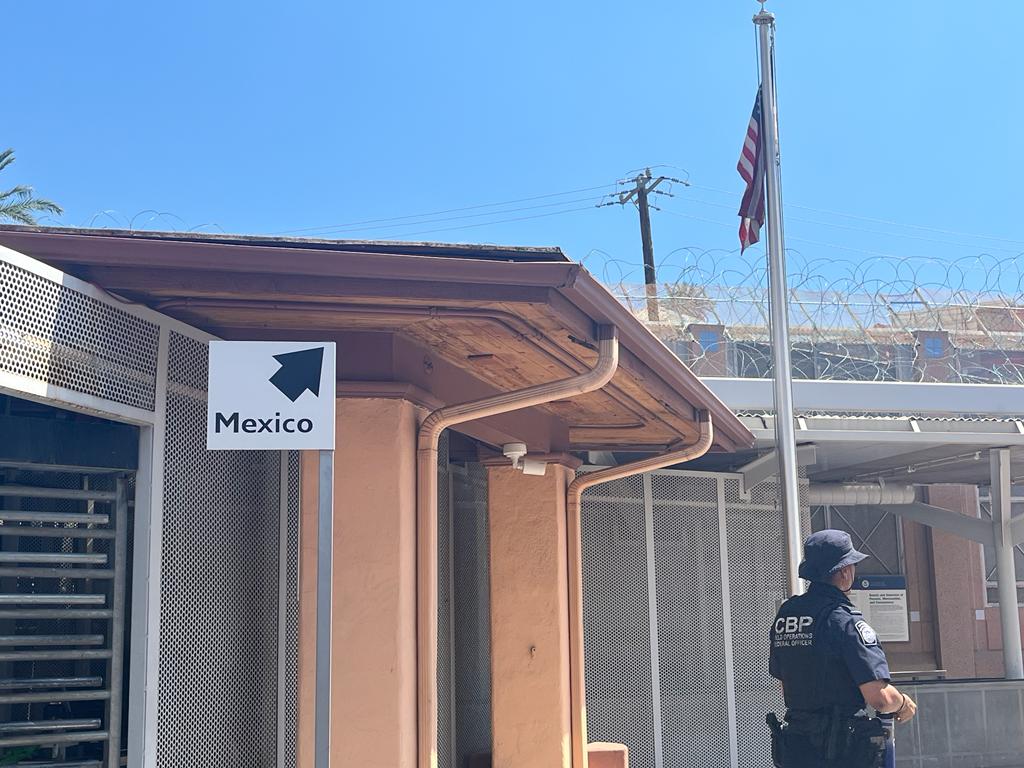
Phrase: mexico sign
(271, 395)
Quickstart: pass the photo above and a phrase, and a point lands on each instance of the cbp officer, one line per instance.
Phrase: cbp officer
(831, 665)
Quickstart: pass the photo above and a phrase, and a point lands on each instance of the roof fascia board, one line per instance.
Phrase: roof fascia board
(409, 247)
(874, 396)
(67, 249)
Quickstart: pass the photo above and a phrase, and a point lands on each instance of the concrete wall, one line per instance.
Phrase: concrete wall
(963, 725)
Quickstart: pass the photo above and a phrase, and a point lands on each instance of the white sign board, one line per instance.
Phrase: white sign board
(271, 395)
(883, 601)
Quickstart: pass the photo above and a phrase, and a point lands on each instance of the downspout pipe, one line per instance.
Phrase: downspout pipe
(676, 455)
(426, 513)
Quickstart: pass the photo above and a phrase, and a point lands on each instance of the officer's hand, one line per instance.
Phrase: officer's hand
(908, 710)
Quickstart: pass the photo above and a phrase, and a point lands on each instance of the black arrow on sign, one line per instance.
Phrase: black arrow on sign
(299, 371)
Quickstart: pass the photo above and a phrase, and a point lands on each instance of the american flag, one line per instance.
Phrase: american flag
(751, 168)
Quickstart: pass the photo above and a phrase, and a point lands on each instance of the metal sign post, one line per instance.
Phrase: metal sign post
(324, 612)
(279, 396)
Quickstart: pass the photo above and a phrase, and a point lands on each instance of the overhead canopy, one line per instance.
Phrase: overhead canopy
(438, 323)
(901, 449)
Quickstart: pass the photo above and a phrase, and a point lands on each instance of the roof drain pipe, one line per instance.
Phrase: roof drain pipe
(426, 513)
(677, 455)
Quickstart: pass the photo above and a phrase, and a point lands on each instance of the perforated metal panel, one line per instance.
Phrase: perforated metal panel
(616, 619)
(691, 628)
(219, 588)
(472, 611)
(291, 633)
(665, 666)
(757, 580)
(68, 339)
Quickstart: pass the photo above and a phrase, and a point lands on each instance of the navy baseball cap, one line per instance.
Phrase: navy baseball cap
(825, 552)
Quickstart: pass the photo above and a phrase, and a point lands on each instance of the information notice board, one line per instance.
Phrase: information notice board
(883, 601)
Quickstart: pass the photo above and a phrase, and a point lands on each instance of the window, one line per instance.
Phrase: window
(709, 341)
(874, 532)
(934, 346)
(991, 579)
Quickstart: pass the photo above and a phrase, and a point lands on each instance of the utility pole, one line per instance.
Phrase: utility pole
(643, 185)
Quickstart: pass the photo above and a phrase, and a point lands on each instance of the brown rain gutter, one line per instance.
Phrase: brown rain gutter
(426, 513)
(577, 689)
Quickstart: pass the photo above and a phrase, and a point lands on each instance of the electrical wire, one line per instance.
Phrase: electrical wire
(500, 221)
(860, 229)
(464, 216)
(887, 222)
(332, 227)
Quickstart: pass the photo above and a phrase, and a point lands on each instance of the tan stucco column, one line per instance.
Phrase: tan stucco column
(529, 618)
(374, 659)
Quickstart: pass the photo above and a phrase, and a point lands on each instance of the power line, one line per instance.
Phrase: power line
(873, 220)
(868, 231)
(464, 216)
(499, 221)
(331, 227)
(796, 239)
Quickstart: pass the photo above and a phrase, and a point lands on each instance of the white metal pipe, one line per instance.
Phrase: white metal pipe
(1009, 613)
(426, 513)
(778, 305)
(854, 494)
(574, 535)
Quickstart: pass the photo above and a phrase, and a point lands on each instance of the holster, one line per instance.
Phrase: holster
(841, 740)
(867, 742)
(779, 754)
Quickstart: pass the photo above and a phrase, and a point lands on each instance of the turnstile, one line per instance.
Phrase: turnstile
(63, 563)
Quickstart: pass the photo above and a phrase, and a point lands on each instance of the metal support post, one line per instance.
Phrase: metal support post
(1009, 613)
(116, 663)
(324, 613)
(778, 305)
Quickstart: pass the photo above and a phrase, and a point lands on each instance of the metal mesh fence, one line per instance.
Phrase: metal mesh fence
(691, 624)
(218, 670)
(757, 586)
(616, 619)
(472, 611)
(445, 645)
(67, 339)
(667, 646)
(291, 633)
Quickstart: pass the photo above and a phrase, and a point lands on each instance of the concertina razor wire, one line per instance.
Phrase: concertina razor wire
(877, 319)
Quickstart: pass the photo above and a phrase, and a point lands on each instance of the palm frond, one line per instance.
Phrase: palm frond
(19, 204)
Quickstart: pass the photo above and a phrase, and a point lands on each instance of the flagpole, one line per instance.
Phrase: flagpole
(778, 305)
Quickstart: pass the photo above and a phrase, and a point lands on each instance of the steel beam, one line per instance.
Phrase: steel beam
(935, 517)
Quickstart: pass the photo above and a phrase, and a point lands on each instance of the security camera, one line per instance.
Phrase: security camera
(514, 452)
(534, 467)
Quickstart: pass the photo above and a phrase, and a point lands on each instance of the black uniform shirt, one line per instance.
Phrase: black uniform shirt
(822, 650)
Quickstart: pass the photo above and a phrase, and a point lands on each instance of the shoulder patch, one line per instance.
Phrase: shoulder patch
(867, 634)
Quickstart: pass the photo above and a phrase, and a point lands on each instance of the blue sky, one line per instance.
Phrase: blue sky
(306, 117)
